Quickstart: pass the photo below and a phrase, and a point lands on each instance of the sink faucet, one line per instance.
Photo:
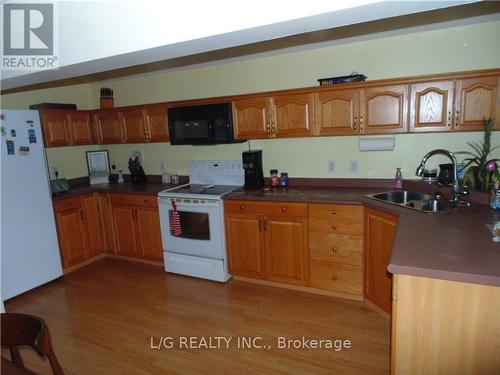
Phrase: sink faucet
(456, 191)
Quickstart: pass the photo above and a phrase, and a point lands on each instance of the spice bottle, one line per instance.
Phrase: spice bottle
(284, 179)
(275, 180)
(398, 179)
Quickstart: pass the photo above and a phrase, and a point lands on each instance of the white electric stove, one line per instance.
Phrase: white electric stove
(200, 249)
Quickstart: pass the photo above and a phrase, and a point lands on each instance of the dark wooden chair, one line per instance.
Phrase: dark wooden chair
(27, 330)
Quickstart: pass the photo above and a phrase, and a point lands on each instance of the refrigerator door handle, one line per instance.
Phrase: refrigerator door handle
(47, 172)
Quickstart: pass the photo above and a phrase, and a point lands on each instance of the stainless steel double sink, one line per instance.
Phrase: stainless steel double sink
(413, 200)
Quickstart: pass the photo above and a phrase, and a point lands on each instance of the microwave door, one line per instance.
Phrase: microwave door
(193, 131)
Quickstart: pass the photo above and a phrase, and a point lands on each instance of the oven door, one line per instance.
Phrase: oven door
(201, 222)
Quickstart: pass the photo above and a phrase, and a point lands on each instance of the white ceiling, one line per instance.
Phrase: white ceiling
(99, 36)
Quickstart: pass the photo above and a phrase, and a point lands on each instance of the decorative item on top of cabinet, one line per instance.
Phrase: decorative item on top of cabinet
(336, 112)
(108, 126)
(279, 252)
(379, 238)
(431, 106)
(475, 99)
(336, 247)
(383, 109)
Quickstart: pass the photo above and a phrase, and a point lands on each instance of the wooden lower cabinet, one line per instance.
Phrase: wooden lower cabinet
(380, 232)
(336, 247)
(246, 245)
(267, 240)
(78, 227)
(136, 224)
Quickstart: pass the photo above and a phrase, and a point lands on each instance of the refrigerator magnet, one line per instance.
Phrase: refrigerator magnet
(30, 122)
(31, 135)
(10, 147)
(13, 133)
(4, 132)
(24, 150)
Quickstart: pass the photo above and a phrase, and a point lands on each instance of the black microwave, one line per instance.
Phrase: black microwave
(207, 124)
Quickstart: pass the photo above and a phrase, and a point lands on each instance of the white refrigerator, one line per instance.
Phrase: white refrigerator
(29, 247)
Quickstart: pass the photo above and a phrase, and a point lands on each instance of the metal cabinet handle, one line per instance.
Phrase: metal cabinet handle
(242, 207)
(334, 249)
(334, 227)
(268, 128)
(457, 116)
(449, 118)
(283, 209)
(334, 212)
(355, 122)
(361, 123)
(334, 278)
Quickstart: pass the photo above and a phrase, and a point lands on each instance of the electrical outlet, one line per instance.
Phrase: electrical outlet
(55, 170)
(331, 166)
(354, 166)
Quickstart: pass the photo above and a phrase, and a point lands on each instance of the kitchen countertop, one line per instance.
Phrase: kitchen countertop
(450, 245)
(150, 188)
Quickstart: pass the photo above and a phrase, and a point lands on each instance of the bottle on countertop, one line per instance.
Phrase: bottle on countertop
(398, 179)
(120, 176)
(284, 179)
(275, 180)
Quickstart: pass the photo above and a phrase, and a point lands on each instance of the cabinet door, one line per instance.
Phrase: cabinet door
(336, 112)
(156, 124)
(292, 115)
(384, 109)
(380, 231)
(93, 224)
(134, 130)
(110, 127)
(431, 106)
(245, 245)
(55, 128)
(475, 100)
(287, 257)
(79, 128)
(251, 118)
(72, 236)
(126, 237)
(148, 225)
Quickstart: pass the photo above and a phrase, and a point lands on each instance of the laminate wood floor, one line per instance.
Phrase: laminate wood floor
(104, 316)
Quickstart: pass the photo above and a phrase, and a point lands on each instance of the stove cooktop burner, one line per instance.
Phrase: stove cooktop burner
(198, 189)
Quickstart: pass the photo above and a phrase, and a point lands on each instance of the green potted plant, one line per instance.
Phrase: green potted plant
(481, 171)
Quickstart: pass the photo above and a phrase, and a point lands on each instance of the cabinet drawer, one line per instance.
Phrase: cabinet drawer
(337, 277)
(336, 211)
(134, 200)
(349, 227)
(278, 209)
(336, 248)
(67, 204)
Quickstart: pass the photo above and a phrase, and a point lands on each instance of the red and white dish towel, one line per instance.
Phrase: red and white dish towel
(175, 221)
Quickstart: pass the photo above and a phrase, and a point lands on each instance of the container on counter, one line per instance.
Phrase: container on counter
(284, 179)
(398, 179)
(275, 180)
(174, 179)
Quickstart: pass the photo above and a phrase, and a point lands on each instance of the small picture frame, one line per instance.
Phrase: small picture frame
(98, 162)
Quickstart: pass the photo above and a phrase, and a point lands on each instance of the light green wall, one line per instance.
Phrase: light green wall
(470, 47)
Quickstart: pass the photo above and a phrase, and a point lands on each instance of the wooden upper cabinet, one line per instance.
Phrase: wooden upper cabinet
(55, 128)
(380, 231)
(287, 257)
(79, 128)
(293, 115)
(475, 99)
(134, 130)
(251, 118)
(156, 123)
(431, 106)
(383, 109)
(109, 127)
(336, 112)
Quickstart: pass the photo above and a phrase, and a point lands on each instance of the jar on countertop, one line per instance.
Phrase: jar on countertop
(275, 180)
(284, 179)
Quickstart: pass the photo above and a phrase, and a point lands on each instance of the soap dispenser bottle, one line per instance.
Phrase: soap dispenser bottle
(398, 179)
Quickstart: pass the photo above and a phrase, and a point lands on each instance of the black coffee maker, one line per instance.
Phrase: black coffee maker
(252, 164)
